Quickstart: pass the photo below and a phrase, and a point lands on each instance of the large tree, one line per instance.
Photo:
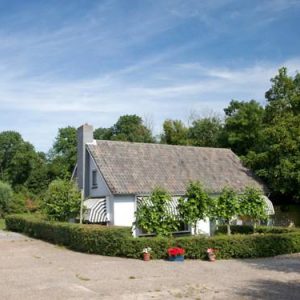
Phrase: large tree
(132, 129)
(243, 125)
(206, 132)
(63, 153)
(16, 158)
(175, 133)
(277, 160)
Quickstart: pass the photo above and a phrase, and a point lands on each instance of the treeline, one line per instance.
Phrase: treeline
(267, 138)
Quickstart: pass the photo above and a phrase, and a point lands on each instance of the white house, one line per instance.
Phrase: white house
(116, 176)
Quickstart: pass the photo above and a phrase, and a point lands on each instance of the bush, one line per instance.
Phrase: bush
(248, 229)
(62, 200)
(117, 241)
(6, 196)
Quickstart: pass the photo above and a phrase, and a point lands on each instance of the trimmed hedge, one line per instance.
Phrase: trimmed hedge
(117, 241)
(248, 229)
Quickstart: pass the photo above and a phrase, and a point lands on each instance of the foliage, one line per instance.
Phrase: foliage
(16, 158)
(248, 229)
(63, 153)
(153, 216)
(277, 161)
(226, 207)
(62, 200)
(103, 133)
(194, 205)
(206, 132)
(252, 205)
(112, 241)
(243, 125)
(2, 224)
(175, 133)
(6, 196)
(131, 128)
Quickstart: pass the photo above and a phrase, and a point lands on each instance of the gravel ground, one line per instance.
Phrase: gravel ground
(33, 269)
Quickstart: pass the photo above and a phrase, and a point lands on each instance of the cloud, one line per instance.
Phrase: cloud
(71, 64)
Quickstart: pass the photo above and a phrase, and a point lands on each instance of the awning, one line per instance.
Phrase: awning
(96, 210)
(171, 206)
(269, 206)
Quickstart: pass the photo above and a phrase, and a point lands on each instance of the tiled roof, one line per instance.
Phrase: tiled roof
(136, 168)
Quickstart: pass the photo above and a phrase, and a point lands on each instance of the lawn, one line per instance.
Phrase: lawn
(2, 224)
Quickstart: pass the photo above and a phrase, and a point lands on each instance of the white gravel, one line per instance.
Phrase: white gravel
(33, 269)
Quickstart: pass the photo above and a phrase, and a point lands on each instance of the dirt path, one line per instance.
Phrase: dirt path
(32, 269)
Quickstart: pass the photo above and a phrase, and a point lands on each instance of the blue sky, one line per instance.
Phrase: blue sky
(68, 62)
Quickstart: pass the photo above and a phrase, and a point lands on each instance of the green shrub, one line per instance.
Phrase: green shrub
(6, 196)
(248, 229)
(117, 241)
(62, 200)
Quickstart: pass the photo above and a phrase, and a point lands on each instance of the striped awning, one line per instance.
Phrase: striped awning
(171, 206)
(269, 206)
(95, 210)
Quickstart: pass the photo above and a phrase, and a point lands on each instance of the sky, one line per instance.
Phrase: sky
(69, 62)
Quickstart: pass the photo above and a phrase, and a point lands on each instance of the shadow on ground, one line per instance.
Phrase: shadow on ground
(280, 264)
(271, 290)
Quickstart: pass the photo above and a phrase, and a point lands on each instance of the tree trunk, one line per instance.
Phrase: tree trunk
(228, 229)
(254, 226)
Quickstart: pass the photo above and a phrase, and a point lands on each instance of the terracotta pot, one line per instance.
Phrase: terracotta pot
(146, 256)
(212, 257)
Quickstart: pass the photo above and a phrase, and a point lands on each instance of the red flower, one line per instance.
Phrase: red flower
(176, 251)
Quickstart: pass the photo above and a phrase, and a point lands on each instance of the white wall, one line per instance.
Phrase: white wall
(203, 227)
(123, 210)
(102, 189)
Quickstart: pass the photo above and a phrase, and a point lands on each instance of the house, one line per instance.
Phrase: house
(116, 176)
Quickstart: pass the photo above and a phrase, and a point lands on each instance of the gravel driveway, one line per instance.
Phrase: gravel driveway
(33, 269)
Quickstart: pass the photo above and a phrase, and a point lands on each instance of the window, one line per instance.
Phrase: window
(94, 179)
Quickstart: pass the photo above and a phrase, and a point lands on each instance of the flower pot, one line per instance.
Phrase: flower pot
(146, 256)
(211, 256)
(176, 258)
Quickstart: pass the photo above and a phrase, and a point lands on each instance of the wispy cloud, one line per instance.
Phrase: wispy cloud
(74, 63)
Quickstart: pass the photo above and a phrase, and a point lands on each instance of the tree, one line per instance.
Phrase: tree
(194, 205)
(283, 96)
(103, 133)
(153, 216)
(131, 128)
(6, 196)
(243, 125)
(62, 200)
(16, 158)
(38, 179)
(253, 206)
(277, 160)
(206, 132)
(175, 133)
(227, 207)
(63, 155)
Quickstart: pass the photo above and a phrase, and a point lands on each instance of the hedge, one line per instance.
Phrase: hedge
(117, 241)
(248, 229)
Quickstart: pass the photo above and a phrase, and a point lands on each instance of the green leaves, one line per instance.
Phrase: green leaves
(253, 205)
(6, 196)
(62, 200)
(154, 217)
(194, 205)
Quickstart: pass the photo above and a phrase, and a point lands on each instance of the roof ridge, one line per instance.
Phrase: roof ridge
(163, 145)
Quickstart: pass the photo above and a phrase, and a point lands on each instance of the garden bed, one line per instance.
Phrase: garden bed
(117, 241)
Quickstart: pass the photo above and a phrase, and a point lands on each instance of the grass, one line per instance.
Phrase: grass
(2, 224)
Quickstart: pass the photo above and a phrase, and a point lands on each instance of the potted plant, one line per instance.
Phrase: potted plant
(176, 254)
(211, 254)
(147, 253)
